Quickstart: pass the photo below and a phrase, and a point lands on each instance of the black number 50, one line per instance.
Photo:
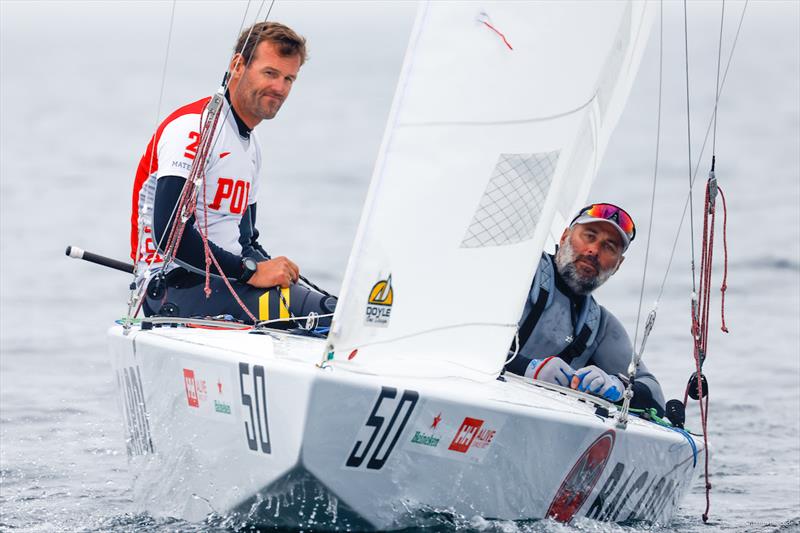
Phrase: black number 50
(259, 419)
(376, 461)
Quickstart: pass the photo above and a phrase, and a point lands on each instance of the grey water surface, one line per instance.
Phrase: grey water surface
(79, 93)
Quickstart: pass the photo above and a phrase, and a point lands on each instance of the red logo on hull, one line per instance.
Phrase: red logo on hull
(191, 388)
(465, 435)
(580, 481)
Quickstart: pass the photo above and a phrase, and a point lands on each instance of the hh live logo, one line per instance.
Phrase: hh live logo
(191, 388)
(466, 435)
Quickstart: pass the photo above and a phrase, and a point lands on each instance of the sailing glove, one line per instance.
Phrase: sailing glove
(552, 370)
(594, 381)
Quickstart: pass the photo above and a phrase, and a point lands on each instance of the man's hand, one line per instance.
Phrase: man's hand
(594, 381)
(279, 271)
(552, 370)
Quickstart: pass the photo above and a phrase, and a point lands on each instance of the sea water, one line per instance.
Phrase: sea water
(79, 93)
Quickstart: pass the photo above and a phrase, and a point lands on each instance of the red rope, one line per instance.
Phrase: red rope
(724, 286)
(187, 206)
(700, 313)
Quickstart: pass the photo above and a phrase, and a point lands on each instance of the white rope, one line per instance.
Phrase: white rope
(292, 318)
(689, 140)
(135, 295)
(655, 176)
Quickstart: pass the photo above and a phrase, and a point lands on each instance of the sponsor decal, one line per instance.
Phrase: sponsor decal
(638, 495)
(378, 436)
(425, 439)
(453, 436)
(430, 438)
(465, 435)
(190, 385)
(207, 394)
(379, 304)
(581, 479)
(484, 438)
(138, 440)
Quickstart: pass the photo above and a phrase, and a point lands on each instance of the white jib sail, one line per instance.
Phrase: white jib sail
(500, 119)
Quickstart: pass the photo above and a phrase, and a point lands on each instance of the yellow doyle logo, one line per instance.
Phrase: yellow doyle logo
(379, 304)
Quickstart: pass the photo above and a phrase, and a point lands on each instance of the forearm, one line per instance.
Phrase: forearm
(248, 235)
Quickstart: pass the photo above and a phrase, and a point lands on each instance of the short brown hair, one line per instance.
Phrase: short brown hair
(285, 39)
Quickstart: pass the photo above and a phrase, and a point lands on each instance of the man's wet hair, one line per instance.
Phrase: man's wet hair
(287, 42)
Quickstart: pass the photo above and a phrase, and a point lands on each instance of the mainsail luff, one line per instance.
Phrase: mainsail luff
(487, 150)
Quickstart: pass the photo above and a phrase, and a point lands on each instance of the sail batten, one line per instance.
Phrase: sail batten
(489, 146)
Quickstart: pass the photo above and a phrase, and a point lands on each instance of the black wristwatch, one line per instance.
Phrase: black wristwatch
(249, 267)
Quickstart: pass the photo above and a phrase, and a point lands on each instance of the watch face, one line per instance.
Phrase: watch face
(250, 264)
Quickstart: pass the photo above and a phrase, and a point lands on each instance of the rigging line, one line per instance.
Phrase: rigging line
(689, 138)
(216, 138)
(700, 157)
(158, 113)
(173, 215)
(137, 258)
(225, 84)
(244, 16)
(226, 78)
(716, 92)
(655, 175)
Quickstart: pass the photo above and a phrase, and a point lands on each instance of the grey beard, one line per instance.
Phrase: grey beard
(565, 264)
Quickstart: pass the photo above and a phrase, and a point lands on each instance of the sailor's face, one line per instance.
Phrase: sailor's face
(588, 255)
(259, 90)
(598, 248)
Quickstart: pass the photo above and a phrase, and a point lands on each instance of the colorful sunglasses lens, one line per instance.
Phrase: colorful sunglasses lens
(612, 212)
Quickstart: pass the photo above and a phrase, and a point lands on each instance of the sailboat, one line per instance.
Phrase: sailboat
(500, 119)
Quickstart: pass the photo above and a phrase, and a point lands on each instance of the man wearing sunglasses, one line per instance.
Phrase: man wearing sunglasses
(565, 337)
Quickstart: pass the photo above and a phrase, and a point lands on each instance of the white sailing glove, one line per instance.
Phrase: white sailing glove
(594, 381)
(552, 370)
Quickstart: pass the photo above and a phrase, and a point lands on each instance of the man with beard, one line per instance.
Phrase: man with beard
(565, 337)
(265, 64)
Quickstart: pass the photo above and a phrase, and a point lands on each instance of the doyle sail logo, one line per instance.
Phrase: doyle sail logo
(379, 304)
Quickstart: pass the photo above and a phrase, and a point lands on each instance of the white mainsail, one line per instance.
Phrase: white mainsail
(500, 120)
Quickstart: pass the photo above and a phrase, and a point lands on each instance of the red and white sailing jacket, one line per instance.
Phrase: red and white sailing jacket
(231, 183)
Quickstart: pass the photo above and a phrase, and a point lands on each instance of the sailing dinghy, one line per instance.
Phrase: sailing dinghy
(499, 123)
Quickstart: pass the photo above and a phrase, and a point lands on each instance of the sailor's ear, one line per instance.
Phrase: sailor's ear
(621, 259)
(564, 236)
(237, 65)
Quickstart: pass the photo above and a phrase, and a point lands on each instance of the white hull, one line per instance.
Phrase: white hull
(236, 423)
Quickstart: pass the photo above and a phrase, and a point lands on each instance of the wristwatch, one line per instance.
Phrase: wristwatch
(249, 267)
